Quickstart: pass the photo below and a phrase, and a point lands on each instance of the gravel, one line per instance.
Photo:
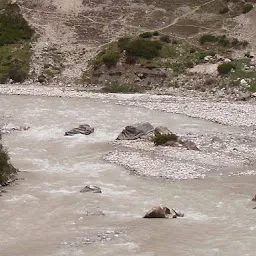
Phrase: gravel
(232, 153)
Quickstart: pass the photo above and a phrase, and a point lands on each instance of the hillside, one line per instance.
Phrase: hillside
(70, 33)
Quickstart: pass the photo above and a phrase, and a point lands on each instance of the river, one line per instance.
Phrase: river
(46, 215)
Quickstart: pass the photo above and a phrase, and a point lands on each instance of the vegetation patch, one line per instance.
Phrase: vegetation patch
(15, 50)
(6, 169)
(222, 40)
(247, 8)
(161, 139)
(226, 68)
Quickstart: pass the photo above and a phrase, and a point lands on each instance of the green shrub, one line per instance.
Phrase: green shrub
(166, 39)
(146, 35)
(14, 28)
(163, 138)
(123, 43)
(224, 10)
(208, 38)
(247, 8)
(223, 41)
(110, 59)
(17, 74)
(116, 87)
(6, 168)
(144, 48)
(225, 68)
(156, 33)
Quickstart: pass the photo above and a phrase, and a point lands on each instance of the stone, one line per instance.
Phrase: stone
(162, 130)
(216, 139)
(243, 96)
(243, 82)
(137, 131)
(91, 188)
(158, 212)
(84, 129)
(254, 199)
(190, 145)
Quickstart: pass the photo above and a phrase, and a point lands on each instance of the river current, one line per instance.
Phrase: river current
(44, 214)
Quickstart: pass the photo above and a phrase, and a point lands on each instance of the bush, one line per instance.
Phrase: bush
(6, 168)
(165, 39)
(146, 35)
(223, 41)
(144, 48)
(156, 33)
(14, 28)
(247, 8)
(17, 74)
(116, 87)
(163, 138)
(208, 38)
(110, 59)
(225, 68)
(224, 10)
(123, 43)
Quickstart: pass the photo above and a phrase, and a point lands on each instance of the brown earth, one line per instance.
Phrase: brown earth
(71, 32)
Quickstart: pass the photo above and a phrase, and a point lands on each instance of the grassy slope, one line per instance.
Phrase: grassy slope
(15, 37)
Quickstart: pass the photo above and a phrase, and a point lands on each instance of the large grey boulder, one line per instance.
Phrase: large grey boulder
(137, 131)
(84, 129)
(161, 130)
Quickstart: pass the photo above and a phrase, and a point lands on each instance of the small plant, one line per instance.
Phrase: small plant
(166, 39)
(146, 35)
(161, 139)
(225, 68)
(156, 33)
(224, 10)
(247, 8)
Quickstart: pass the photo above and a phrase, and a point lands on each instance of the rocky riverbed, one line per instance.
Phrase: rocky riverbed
(224, 147)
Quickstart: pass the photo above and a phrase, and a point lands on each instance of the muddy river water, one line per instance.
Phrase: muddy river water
(46, 215)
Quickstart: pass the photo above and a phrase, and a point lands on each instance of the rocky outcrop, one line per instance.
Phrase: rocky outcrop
(84, 129)
(137, 131)
(91, 188)
(162, 212)
(162, 130)
(158, 212)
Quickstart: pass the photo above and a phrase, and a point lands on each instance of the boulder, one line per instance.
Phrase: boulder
(158, 212)
(84, 129)
(136, 131)
(190, 145)
(91, 188)
(254, 199)
(161, 130)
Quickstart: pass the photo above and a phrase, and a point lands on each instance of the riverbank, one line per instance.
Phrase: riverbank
(228, 148)
(189, 103)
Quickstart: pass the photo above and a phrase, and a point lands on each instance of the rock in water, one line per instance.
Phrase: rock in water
(136, 131)
(91, 188)
(82, 129)
(158, 212)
